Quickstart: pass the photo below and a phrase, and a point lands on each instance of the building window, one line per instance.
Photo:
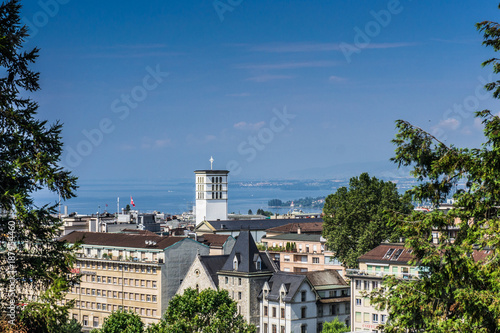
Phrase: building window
(266, 328)
(274, 312)
(274, 329)
(85, 320)
(383, 319)
(96, 321)
(303, 312)
(375, 318)
(358, 301)
(239, 294)
(357, 317)
(358, 284)
(303, 296)
(226, 280)
(239, 281)
(154, 298)
(366, 285)
(366, 317)
(303, 328)
(282, 313)
(315, 260)
(320, 310)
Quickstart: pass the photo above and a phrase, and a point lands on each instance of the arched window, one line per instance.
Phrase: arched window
(220, 179)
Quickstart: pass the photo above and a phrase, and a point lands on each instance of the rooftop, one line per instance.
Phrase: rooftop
(388, 253)
(297, 237)
(305, 227)
(121, 240)
(260, 224)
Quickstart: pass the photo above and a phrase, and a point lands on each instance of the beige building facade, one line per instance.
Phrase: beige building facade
(309, 253)
(138, 273)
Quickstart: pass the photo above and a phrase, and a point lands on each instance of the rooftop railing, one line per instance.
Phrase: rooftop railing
(381, 274)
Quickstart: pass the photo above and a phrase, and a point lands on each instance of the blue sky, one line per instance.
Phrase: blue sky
(151, 90)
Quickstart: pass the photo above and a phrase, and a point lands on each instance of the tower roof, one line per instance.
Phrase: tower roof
(222, 172)
(246, 253)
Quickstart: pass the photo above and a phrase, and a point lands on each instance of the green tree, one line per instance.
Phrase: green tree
(32, 259)
(121, 322)
(356, 219)
(208, 311)
(127, 208)
(459, 287)
(335, 326)
(250, 212)
(45, 315)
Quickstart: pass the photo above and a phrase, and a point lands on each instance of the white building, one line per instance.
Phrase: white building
(301, 303)
(211, 195)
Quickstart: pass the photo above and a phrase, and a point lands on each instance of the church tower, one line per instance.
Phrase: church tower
(211, 194)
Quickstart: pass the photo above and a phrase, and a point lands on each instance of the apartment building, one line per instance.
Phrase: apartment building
(299, 252)
(301, 303)
(136, 272)
(385, 259)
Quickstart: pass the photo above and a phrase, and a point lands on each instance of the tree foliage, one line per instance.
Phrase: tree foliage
(460, 287)
(356, 217)
(31, 258)
(121, 322)
(335, 326)
(208, 311)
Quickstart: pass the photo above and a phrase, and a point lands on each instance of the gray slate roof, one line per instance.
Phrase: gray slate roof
(261, 224)
(213, 264)
(291, 281)
(296, 237)
(247, 254)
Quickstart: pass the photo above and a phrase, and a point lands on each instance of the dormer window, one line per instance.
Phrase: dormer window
(235, 263)
(258, 264)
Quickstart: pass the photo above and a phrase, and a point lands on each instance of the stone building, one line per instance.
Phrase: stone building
(242, 273)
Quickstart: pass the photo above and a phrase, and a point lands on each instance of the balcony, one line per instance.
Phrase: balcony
(365, 273)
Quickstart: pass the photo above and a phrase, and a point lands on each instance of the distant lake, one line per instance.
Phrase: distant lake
(175, 197)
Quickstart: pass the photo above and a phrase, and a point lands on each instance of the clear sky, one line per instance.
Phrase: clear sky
(270, 89)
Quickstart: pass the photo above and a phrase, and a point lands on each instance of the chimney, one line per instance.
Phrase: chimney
(298, 230)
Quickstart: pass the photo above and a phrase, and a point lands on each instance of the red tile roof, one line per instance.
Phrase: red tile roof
(214, 239)
(388, 253)
(121, 240)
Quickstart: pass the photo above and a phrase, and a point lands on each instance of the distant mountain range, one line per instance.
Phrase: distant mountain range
(380, 169)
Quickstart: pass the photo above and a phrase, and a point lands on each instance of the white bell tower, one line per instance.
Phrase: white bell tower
(211, 194)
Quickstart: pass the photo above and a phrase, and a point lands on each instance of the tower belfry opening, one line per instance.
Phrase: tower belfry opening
(211, 194)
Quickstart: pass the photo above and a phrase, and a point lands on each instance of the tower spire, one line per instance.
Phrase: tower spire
(211, 162)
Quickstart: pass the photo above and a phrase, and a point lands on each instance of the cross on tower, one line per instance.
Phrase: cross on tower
(211, 162)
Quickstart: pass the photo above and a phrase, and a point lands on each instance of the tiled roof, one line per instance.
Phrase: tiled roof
(213, 239)
(261, 224)
(138, 232)
(387, 253)
(305, 227)
(327, 277)
(121, 240)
